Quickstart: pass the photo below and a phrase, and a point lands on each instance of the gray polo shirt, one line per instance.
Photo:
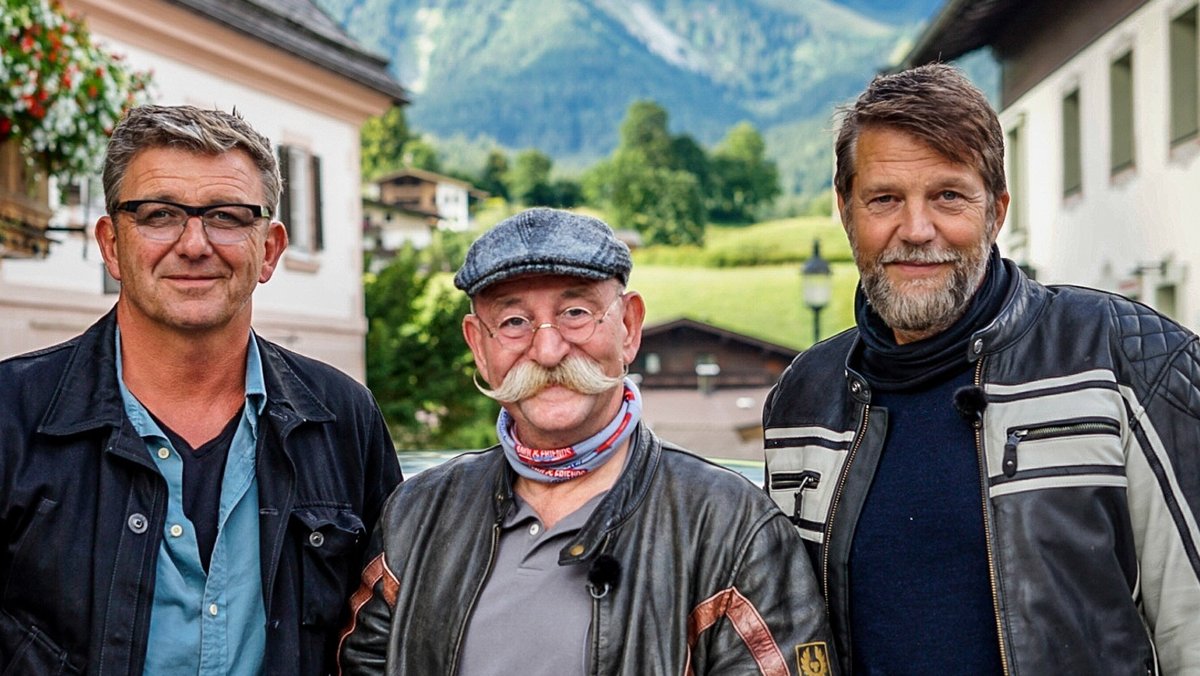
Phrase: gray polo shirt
(533, 615)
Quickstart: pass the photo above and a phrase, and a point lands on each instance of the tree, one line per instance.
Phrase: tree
(383, 138)
(644, 130)
(664, 205)
(742, 178)
(420, 154)
(687, 155)
(529, 179)
(494, 175)
(418, 366)
(645, 186)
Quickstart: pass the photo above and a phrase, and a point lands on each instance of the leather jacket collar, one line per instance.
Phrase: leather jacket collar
(645, 452)
(1023, 301)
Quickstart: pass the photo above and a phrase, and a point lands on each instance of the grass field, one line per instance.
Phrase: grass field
(762, 301)
(788, 240)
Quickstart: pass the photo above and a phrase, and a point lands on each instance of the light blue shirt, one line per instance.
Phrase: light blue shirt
(208, 624)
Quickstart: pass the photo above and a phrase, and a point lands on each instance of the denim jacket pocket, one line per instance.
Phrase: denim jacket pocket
(26, 650)
(331, 540)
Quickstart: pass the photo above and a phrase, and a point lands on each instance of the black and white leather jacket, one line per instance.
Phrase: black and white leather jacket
(1089, 448)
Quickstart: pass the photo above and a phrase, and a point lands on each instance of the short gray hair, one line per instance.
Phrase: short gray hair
(189, 128)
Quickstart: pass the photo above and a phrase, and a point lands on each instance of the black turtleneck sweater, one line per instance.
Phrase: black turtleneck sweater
(920, 593)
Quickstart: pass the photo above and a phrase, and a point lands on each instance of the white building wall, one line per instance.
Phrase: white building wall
(1140, 217)
(452, 203)
(313, 304)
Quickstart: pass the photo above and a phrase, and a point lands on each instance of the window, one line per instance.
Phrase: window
(1120, 80)
(300, 201)
(1165, 298)
(1071, 145)
(1185, 78)
(1016, 173)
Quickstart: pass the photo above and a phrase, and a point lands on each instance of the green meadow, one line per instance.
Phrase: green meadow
(747, 279)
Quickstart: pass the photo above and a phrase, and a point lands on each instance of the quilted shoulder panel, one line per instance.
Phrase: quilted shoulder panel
(1165, 355)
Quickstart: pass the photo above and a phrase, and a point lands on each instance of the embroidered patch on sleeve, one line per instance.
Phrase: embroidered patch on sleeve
(812, 659)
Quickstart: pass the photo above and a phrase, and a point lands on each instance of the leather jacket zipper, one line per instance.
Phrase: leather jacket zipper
(987, 524)
(801, 481)
(837, 495)
(462, 631)
(1065, 428)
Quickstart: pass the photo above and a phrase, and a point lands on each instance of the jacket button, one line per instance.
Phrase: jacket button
(977, 346)
(575, 550)
(138, 523)
(855, 386)
(316, 538)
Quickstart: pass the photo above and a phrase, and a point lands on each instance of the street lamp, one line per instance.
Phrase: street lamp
(816, 283)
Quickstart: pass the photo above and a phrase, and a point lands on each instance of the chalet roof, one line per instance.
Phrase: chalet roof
(406, 209)
(430, 177)
(303, 29)
(725, 335)
(960, 27)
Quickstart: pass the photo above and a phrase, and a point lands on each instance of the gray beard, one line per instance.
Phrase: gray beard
(924, 306)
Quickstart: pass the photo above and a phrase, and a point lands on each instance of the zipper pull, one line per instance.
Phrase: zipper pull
(808, 480)
(1010, 451)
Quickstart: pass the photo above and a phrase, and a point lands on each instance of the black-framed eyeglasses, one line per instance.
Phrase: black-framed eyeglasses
(223, 223)
(576, 325)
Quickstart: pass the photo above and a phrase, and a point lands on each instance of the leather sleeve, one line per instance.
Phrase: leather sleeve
(1163, 469)
(363, 646)
(771, 620)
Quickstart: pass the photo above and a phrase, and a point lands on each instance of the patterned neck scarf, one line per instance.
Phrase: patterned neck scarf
(563, 464)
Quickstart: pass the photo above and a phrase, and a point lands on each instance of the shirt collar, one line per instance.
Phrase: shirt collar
(256, 391)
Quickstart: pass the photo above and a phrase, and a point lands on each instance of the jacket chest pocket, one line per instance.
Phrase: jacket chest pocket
(331, 541)
(803, 465)
(1061, 453)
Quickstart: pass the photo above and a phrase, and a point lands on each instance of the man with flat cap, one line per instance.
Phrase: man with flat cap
(581, 543)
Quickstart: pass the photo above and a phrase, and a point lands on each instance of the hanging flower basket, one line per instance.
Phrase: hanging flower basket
(60, 97)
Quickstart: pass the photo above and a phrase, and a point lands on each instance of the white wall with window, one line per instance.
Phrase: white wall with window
(1106, 163)
(314, 302)
(453, 205)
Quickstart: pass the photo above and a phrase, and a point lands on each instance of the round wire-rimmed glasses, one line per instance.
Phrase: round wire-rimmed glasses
(576, 325)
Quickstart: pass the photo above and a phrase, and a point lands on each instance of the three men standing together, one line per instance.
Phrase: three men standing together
(987, 475)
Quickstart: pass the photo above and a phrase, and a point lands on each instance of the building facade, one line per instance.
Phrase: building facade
(1100, 104)
(296, 77)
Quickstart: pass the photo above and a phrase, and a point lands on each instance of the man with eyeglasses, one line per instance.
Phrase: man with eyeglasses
(178, 495)
(581, 543)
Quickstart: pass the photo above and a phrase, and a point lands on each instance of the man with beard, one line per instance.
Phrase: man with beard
(994, 476)
(581, 543)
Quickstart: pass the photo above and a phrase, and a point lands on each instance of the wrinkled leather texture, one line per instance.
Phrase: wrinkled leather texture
(681, 530)
(82, 508)
(1093, 601)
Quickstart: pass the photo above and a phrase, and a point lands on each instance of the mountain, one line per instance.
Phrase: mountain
(559, 75)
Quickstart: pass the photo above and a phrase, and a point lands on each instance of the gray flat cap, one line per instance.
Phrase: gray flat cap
(544, 241)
